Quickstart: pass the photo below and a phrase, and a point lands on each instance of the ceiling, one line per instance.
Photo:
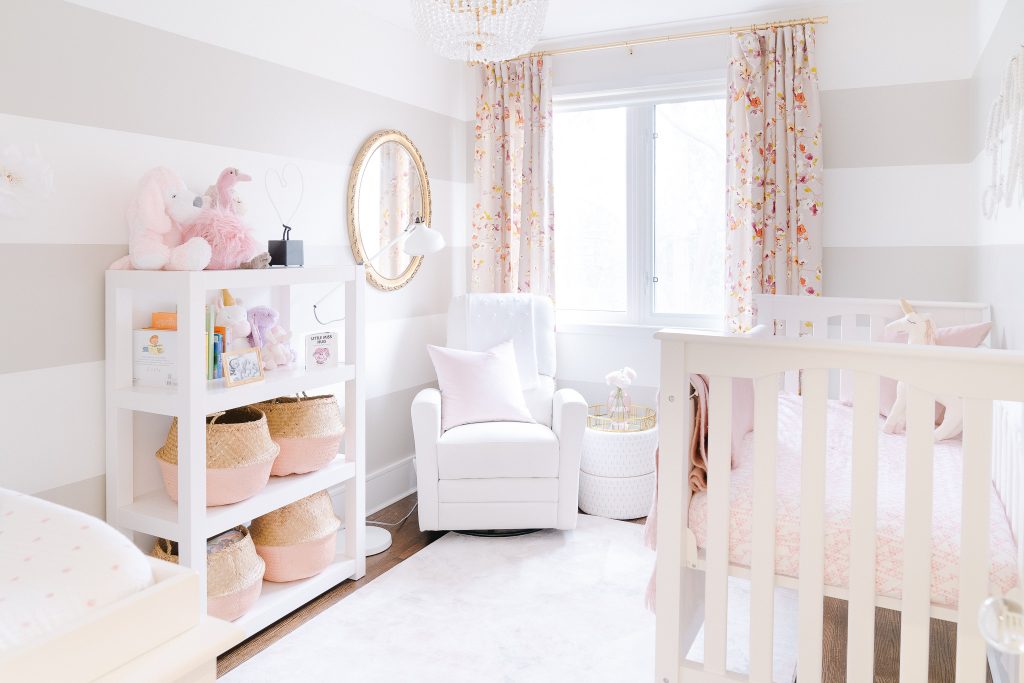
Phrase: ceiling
(568, 18)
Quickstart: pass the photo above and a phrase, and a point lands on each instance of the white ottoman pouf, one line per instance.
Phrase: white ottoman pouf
(617, 472)
(617, 497)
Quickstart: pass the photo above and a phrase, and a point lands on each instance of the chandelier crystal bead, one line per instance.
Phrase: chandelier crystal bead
(480, 30)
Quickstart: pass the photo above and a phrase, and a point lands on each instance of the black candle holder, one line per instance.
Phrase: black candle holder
(285, 251)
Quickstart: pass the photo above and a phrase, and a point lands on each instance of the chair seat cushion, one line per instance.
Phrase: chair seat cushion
(490, 450)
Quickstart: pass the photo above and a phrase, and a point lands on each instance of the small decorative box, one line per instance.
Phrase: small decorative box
(285, 251)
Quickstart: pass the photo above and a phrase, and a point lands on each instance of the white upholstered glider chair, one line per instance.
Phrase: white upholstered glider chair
(502, 475)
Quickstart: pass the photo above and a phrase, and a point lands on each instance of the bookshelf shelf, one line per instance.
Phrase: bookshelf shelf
(217, 397)
(189, 521)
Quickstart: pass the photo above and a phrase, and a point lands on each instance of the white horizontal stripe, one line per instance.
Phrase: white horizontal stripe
(52, 424)
(1008, 225)
(899, 206)
(97, 171)
(396, 352)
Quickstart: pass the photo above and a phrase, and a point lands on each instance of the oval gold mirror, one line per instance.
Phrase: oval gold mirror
(388, 192)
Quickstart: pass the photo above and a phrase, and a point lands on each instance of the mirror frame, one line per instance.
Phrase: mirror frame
(371, 145)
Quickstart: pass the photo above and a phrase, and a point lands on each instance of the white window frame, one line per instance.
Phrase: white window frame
(640, 154)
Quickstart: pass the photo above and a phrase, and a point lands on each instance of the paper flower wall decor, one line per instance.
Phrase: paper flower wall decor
(621, 378)
(25, 178)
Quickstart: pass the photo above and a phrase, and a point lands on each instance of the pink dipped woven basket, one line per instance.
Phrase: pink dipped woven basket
(298, 540)
(307, 429)
(239, 456)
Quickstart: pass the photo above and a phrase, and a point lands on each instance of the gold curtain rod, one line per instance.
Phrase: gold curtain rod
(629, 44)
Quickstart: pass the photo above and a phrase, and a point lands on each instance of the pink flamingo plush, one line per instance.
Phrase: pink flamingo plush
(221, 195)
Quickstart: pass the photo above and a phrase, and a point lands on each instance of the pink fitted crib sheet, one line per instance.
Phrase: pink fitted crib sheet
(948, 463)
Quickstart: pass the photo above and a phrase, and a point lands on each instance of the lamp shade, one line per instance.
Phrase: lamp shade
(422, 241)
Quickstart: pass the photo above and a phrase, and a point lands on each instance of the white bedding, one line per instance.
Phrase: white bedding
(946, 513)
(57, 565)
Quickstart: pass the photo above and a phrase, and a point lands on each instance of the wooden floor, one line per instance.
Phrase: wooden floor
(408, 540)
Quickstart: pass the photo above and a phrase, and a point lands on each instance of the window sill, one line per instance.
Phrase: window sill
(635, 331)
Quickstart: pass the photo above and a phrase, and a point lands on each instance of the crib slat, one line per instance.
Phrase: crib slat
(812, 524)
(860, 641)
(974, 544)
(877, 328)
(917, 546)
(716, 576)
(847, 326)
(791, 379)
(819, 329)
(762, 551)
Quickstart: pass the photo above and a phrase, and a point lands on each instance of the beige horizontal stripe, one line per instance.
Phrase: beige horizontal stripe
(94, 69)
(54, 312)
(900, 125)
(930, 273)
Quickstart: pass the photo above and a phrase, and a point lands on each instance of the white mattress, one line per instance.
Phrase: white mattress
(57, 565)
(889, 526)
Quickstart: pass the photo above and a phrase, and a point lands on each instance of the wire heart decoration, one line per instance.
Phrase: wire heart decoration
(282, 188)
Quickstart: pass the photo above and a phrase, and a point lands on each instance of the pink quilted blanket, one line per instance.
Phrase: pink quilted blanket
(946, 511)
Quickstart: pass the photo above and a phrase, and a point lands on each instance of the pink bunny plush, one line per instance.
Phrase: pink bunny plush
(158, 216)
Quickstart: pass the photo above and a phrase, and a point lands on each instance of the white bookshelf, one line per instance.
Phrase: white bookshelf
(189, 521)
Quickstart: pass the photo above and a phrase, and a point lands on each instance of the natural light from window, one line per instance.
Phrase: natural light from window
(689, 208)
(590, 209)
(640, 211)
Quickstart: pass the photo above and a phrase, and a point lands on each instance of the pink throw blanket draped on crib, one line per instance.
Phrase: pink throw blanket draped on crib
(698, 474)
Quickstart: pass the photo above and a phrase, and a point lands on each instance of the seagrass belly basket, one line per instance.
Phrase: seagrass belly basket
(308, 429)
(298, 540)
(239, 456)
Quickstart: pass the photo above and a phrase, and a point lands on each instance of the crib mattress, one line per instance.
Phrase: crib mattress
(57, 565)
(948, 463)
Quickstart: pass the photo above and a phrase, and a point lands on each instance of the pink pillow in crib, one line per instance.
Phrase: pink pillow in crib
(969, 336)
(479, 386)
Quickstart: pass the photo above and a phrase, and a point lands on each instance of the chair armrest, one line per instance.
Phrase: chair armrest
(426, 415)
(426, 430)
(569, 412)
(569, 423)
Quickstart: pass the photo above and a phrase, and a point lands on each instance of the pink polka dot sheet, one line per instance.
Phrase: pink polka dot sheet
(57, 565)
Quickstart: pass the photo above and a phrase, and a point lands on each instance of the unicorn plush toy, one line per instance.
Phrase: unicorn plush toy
(920, 329)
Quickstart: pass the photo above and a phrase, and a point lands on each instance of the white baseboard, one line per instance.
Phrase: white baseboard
(385, 486)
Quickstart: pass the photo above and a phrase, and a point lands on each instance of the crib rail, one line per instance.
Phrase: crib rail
(846, 319)
(980, 376)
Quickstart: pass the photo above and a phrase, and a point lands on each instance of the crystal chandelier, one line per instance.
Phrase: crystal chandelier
(480, 30)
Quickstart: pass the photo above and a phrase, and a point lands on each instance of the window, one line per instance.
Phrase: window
(640, 209)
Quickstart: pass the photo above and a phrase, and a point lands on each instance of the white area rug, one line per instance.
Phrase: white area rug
(547, 607)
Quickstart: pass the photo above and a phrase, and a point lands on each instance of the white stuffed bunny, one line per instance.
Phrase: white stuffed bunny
(920, 329)
(162, 208)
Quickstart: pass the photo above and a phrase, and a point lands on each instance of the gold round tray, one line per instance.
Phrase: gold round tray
(639, 419)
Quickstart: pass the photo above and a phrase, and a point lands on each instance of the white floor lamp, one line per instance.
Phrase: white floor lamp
(420, 240)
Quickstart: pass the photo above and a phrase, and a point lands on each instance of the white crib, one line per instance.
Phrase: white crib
(693, 584)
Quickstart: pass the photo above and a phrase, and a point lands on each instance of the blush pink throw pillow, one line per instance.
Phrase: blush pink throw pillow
(479, 386)
(969, 336)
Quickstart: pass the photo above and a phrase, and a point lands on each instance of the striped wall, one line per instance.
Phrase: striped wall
(105, 99)
(998, 275)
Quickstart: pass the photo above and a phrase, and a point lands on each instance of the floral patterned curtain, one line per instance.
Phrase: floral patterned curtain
(775, 170)
(512, 238)
(399, 190)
